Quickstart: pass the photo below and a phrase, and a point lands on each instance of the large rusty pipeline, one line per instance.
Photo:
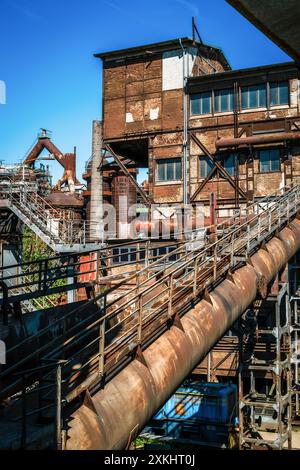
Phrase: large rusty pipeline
(117, 413)
(257, 139)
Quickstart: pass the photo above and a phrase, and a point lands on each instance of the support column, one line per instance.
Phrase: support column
(96, 231)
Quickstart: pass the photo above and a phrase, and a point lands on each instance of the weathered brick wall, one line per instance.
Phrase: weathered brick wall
(132, 97)
(138, 97)
(138, 100)
(207, 63)
(210, 128)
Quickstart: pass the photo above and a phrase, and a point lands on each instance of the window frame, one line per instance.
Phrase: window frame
(218, 90)
(269, 170)
(165, 161)
(211, 103)
(288, 94)
(206, 159)
(248, 96)
(265, 87)
(226, 158)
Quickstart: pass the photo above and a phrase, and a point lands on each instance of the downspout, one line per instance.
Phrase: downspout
(185, 127)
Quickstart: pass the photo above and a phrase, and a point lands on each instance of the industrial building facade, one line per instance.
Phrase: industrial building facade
(100, 335)
(199, 128)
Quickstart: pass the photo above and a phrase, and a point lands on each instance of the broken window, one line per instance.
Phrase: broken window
(168, 169)
(254, 96)
(223, 100)
(201, 103)
(279, 93)
(269, 160)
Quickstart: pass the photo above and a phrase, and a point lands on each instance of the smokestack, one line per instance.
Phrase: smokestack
(96, 207)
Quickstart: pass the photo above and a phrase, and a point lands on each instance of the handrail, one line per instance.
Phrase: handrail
(58, 226)
(182, 282)
(233, 228)
(260, 231)
(39, 275)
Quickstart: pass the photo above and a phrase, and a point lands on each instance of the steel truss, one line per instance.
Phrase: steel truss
(265, 378)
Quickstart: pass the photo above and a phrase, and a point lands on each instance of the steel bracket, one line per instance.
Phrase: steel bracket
(139, 355)
(230, 277)
(177, 321)
(264, 247)
(206, 296)
(88, 402)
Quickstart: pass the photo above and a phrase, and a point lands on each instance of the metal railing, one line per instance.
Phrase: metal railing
(44, 398)
(26, 289)
(58, 225)
(133, 319)
(35, 281)
(128, 321)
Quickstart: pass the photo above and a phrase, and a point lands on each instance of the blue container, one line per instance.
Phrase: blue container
(197, 411)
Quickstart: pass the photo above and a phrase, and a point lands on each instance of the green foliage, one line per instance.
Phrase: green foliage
(33, 250)
(140, 442)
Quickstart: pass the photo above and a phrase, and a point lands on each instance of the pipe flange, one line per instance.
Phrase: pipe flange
(262, 286)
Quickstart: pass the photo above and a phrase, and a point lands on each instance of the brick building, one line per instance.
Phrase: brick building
(177, 109)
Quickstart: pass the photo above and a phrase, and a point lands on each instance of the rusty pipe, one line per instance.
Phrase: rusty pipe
(173, 226)
(165, 227)
(257, 139)
(116, 414)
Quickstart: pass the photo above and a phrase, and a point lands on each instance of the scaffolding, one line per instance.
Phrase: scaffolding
(295, 356)
(265, 378)
(295, 333)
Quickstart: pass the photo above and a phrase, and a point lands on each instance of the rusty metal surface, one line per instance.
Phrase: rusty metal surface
(158, 316)
(60, 199)
(67, 160)
(142, 388)
(257, 139)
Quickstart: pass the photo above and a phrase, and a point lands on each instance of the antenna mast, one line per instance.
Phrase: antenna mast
(195, 31)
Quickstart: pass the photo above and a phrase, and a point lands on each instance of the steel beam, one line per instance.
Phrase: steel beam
(129, 400)
(128, 174)
(218, 166)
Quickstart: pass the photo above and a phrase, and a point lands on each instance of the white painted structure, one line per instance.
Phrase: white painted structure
(172, 71)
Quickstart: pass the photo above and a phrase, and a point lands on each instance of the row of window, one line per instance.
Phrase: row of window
(123, 255)
(170, 169)
(255, 96)
(269, 160)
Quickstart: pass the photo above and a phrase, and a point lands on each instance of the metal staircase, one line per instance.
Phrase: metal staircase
(55, 227)
(166, 287)
(127, 322)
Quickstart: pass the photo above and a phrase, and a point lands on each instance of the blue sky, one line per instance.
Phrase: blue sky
(53, 80)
